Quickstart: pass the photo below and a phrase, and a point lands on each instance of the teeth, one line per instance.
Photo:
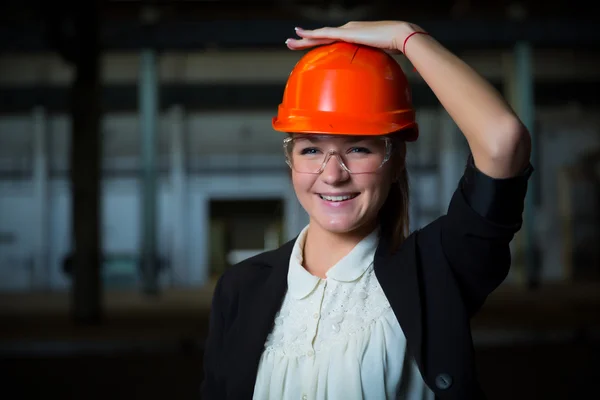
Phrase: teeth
(337, 198)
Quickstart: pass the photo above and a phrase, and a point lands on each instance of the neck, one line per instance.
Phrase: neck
(323, 249)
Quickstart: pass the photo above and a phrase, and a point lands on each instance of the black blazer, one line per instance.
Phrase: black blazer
(435, 283)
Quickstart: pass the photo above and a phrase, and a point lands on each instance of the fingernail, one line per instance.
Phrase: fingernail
(287, 41)
(297, 29)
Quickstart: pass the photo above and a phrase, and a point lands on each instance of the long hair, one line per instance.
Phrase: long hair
(394, 218)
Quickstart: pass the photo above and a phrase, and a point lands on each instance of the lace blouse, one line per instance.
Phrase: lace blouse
(337, 338)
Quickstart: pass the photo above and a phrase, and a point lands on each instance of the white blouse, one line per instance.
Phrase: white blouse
(337, 338)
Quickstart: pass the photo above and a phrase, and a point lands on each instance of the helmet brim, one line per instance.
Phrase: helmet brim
(351, 128)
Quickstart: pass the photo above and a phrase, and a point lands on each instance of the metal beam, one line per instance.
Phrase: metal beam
(188, 35)
(179, 196)
(209, 97)
(148, 98)
(41, 279)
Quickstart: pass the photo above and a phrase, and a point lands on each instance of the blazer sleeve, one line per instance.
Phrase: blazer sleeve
(212, 386)
(482, 219)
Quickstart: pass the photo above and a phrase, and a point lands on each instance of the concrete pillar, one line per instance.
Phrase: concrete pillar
(148, 101)
(179, 210)
(199, 267)
(520, 92)
(452, 159)
(40, 279)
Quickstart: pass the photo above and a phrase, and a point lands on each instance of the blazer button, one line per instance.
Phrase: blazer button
(443, 381)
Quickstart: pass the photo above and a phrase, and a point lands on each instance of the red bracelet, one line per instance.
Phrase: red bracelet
(408, 37)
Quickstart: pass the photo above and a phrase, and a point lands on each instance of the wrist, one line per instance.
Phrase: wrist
(405, 29)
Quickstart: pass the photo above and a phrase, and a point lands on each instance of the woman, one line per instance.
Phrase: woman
(354, 307)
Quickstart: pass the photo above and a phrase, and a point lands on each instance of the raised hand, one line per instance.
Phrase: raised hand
(386, 35)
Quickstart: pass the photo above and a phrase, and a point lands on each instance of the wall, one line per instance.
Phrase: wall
(231, 155)
(566, 134)
(227, 156)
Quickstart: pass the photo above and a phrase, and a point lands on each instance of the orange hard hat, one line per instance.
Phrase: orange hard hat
(347, 89)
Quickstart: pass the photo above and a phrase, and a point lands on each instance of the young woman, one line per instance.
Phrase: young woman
(355, 307)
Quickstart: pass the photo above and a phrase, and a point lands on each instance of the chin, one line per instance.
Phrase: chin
(339, 225)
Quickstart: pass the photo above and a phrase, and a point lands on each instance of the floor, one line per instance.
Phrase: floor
(150, 348)
(548, 372)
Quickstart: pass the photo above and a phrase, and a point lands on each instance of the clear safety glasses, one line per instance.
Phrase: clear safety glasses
(356, 155)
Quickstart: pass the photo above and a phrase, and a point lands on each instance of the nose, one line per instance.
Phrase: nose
(334, 173)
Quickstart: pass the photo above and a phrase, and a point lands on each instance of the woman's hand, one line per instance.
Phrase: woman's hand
(386, 35)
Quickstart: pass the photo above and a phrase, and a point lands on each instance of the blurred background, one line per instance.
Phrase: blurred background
(138, 162)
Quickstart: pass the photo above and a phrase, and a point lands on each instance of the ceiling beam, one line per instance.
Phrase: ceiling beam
(240, 96)
(182, 35)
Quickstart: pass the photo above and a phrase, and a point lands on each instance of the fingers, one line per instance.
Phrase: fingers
(321, 33)
(315, 37)
(301, 44)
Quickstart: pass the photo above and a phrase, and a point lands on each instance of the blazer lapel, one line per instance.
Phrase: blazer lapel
(258, 308)
(398, 275)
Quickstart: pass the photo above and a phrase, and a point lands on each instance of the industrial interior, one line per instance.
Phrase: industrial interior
(141, 132)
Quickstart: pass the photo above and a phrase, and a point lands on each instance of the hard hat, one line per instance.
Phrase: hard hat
(347, 89)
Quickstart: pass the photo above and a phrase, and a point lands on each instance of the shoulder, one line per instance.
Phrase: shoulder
(254, 270)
